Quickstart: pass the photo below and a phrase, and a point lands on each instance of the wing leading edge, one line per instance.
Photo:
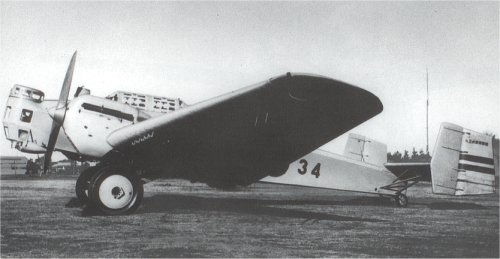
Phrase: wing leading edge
(243, 136)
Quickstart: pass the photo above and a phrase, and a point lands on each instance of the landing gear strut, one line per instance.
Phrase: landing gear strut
(398, 187)
(110, 189)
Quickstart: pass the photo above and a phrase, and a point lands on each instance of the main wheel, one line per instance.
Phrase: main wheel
(114, 190)
(82, 184)
(401, 200)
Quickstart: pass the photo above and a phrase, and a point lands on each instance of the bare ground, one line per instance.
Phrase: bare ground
(41, 218)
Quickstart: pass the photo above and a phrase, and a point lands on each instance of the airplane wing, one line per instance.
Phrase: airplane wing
(245, 135)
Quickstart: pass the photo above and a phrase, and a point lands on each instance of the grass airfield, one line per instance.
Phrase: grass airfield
(42, 218)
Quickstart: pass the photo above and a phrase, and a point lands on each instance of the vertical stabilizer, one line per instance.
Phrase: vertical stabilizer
(463, 162)
(367, 150)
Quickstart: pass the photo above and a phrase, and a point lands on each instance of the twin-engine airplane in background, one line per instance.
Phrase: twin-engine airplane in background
(267, 132)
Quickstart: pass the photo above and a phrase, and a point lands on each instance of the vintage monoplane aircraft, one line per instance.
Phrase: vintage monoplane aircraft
(255, 133)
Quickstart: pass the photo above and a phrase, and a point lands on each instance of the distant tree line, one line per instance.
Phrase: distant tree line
(415, 156)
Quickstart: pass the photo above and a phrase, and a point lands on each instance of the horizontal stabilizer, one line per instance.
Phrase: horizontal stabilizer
(463, 162)
(407, 170)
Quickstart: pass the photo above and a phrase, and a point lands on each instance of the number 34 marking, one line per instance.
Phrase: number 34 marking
(303, 170)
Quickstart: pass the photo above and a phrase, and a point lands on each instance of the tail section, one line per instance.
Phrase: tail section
(366, 150)
(322, 169)
(463, 162)
(360, 169)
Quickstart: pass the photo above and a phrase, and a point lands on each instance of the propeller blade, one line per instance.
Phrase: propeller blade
(63, 97)
(50, 147)
(59, 113)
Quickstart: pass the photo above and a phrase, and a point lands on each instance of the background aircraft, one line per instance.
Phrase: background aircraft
(465, 162)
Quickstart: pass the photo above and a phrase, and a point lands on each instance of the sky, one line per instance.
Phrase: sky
(199, 50)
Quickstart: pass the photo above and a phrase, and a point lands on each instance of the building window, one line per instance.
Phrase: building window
(26, 115)
(6, 131)
(26, 92)
(23, 135)
(7, 112)
(37, 97)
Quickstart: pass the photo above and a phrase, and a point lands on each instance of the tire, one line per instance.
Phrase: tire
(401, 200)
(116, 191)
(82, 184)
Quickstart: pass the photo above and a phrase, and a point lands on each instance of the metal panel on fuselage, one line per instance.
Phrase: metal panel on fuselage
(326, 170)
(89, 121)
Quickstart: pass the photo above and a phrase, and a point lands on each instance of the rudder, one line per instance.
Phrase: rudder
(462, 163)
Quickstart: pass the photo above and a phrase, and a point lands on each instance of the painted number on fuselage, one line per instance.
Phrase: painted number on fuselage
(303, 169)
